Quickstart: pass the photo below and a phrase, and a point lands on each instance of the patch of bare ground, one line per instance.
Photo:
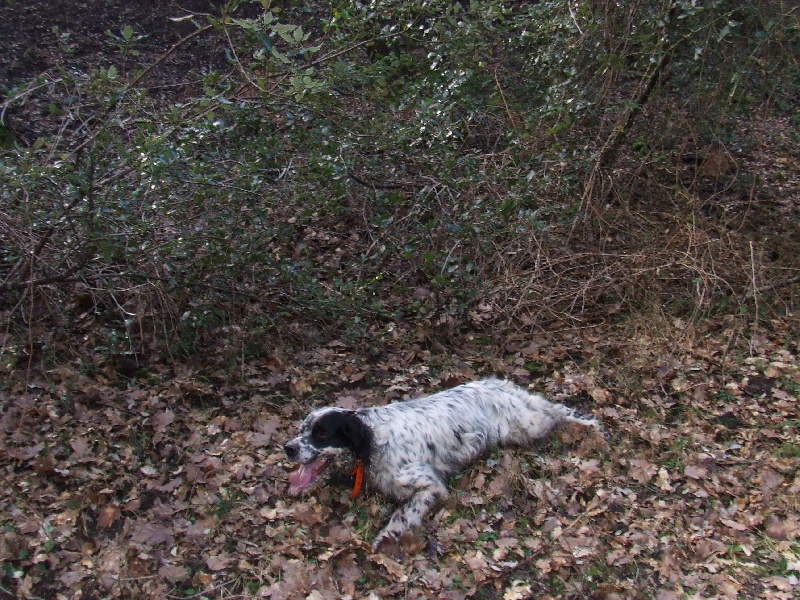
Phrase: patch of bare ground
(41, 37)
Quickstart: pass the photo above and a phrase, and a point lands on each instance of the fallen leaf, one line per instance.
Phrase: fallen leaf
(171, 485)
(151, 534)
(394, 568)
(498, 486)
(782, 584)
(734, 524)
(544, 565)
(80, 446)
(109, 514)
(670, 564)
(217, 563)
(601, 396)
(299, 387)
(71, 578)
(695, 472)
(642, 470)
(477, 563)
(769, 481)
(775, 527)
(258, 440)
(517, 590)
(163, 420)
(173, 573)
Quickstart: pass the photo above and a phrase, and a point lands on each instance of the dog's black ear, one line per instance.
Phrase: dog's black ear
(361, 437)
(343, 430)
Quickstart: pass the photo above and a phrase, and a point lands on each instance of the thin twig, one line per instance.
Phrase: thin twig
(511, 118)
(755, 287)
(322, 59)
(241, 68)
(449, 254)
(773, 286)
(22, 94)
(139, 78)
(574, 17)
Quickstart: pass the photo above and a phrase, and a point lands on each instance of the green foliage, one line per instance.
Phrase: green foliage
(383, 162)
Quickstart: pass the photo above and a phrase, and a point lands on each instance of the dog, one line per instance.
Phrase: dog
(409, 450)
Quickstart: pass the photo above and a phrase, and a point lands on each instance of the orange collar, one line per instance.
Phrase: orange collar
(358, 471)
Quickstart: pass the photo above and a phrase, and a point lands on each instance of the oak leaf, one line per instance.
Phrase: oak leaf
(218, 563)
(163, 420)
(151, 534)
(109, 515)
(173, 573)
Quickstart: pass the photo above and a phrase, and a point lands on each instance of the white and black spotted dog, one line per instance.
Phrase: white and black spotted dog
(409, 450)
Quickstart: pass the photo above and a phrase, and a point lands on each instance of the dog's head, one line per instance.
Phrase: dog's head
(327, 436)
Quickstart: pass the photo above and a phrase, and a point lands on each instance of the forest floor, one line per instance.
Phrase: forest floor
(172, 483)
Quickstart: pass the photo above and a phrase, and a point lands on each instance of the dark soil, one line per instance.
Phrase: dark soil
(43, 38)
(39, 35)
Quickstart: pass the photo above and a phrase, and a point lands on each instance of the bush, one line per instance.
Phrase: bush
(452, 166)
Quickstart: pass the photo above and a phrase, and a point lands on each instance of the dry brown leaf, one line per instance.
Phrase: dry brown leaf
(601, 396)
(707, 547)
(173, 573)
(775, 527)
(162, 420)
(109, 514)
(498, 486)
(669, 567)
(339, 534)
(783, 584)
(734, 524)
(695, 472)
(477, 563)
(770, 480)
(25, 587)
(25, 453)
(29, 526)
(218, 563)
(151, 534)
(308, 515)
(70, 578)
(202, 528)
(394, 568)
(589, 467)
(348, 572)
(258, 440)
(608, 592)
(544, 565)
(80, 446)
(171, 485)
(298, 387)
(517, 590)
(642, 470)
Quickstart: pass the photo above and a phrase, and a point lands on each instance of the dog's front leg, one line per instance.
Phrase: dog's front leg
(428, 490)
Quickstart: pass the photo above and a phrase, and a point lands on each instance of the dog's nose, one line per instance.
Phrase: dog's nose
(291, 450)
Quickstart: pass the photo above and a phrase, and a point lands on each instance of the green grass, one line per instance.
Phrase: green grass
(788, 450)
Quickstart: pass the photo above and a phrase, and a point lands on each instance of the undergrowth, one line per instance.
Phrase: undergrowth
(433, 168)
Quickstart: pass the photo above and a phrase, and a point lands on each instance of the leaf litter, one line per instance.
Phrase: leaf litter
(175, 485)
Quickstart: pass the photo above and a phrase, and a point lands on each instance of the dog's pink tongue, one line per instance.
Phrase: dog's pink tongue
(305, 475)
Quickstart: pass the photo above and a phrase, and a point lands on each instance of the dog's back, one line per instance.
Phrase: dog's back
(449, 430)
